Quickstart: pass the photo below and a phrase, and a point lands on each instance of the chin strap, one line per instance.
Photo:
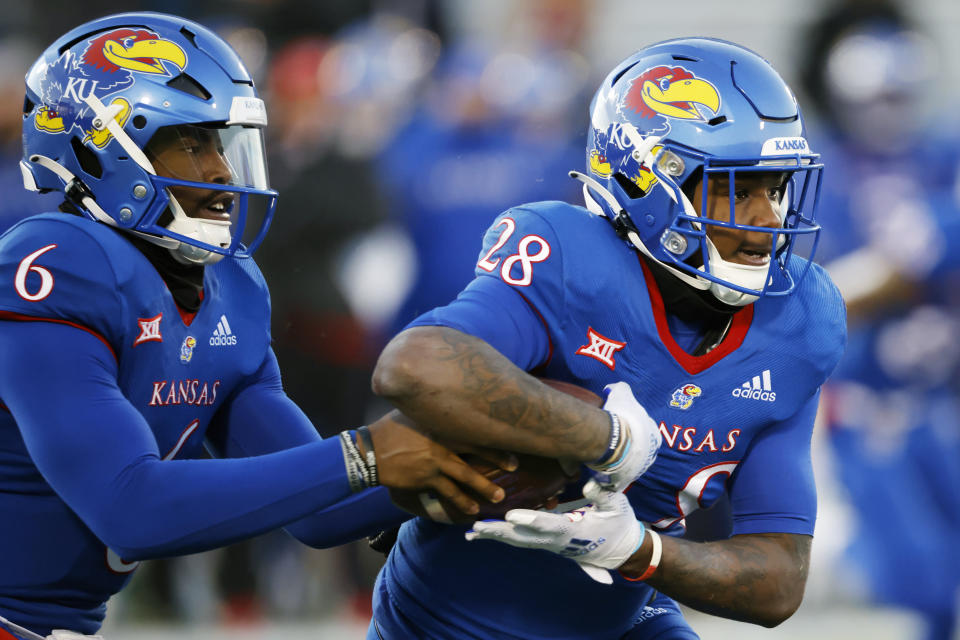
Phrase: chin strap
(754, 276)
(78, 193)
(75, 190)
(591, 186)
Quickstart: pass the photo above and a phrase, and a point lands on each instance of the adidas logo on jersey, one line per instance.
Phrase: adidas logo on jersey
(222, 335)
(758, 388)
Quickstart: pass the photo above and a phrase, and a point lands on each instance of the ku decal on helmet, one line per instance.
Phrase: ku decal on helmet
(693, 108)
(96, 98)
(106, 66)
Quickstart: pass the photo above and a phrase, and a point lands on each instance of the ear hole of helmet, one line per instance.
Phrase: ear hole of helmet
(86, 158)
(631, 188)
(27, 105)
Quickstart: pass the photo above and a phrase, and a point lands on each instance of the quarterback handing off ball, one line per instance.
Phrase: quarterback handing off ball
(534, 484)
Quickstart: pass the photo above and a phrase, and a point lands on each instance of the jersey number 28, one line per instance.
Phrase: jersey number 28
(525, 259)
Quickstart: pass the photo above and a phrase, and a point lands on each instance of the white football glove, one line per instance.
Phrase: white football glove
(641, 441)
(601, 536)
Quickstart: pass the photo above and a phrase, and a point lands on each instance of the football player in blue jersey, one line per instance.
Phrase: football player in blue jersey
(139, 328)
(680, 292)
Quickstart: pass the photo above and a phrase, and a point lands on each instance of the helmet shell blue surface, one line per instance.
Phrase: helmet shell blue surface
(687, 108)
(148, 71)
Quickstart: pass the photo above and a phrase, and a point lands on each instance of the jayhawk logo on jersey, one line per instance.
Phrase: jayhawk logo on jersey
(186, 349)
(108, 65)
(684, 396)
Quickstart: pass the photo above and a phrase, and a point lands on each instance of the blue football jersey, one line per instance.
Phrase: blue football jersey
(738, 419)
(175, 372)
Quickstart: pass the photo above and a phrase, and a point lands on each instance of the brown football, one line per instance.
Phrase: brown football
(532, 485)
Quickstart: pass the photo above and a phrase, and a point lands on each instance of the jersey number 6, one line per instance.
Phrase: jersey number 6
(26, 266)
(522, 256)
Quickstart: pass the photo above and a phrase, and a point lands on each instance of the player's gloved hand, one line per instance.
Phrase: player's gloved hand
(636, 449)
(600, 536)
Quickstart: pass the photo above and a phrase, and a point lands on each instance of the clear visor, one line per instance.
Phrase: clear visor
(233, 155)
(217, 175)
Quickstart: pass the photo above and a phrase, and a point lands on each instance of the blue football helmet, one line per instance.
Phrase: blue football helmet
(134, 115)
(693, 108)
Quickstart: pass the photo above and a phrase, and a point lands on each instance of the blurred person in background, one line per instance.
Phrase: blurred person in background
(134, 327)
(466, 153)
(16, 203)
(334, 101)
(893, 247)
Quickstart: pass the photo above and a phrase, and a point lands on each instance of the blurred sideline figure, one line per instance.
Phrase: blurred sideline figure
(334, 101)
(135, 332)
(893, 247)
(493, 127)
(16, 203)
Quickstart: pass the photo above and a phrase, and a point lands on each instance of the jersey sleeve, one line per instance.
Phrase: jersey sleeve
(497, 314)
(260, 419)
(773, 489)
(518, 292)
(99, 455)
(57, 270)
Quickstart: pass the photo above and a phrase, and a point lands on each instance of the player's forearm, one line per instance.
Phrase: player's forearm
(460, 388)
(755, 578)
(361, 515)
(161, 508)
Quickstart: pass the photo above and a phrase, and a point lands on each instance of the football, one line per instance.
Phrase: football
(533, 484)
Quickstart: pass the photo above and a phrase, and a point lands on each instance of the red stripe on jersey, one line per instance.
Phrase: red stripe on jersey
(19, 317)
(695, 364)
(546, 329)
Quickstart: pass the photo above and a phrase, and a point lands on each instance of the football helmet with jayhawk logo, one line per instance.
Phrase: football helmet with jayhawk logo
(107, 99)
(693, 108)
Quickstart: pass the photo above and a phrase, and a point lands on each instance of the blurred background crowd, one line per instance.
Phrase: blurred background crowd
(400, 129)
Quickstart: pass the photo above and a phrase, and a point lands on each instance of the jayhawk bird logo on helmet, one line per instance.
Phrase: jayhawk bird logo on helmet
(671, 92)
(109, 64)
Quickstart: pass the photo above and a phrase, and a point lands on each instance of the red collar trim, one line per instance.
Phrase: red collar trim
(188, 316)
(695, 364)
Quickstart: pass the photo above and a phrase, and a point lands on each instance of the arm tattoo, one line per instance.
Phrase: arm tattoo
(514, 398)
(466, 389)
(755, 578)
